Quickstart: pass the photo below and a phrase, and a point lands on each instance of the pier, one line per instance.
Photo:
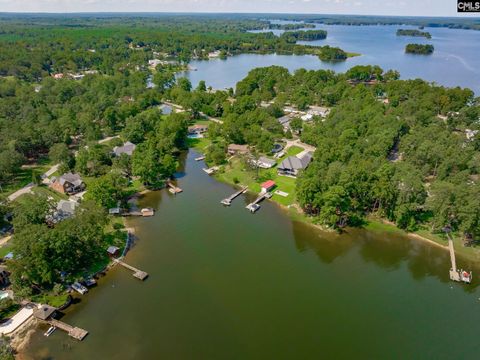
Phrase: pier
(72, 331)
(253, 206)
(139, 274)
(228, 201)
(173, 189)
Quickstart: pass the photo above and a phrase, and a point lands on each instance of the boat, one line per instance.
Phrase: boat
(90, 282)
(50, 331)
(79, 288)
(200, 158)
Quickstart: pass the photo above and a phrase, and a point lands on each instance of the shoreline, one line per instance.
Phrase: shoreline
(294, 213)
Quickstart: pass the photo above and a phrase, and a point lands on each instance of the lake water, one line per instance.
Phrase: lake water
(227, 284)
(455, 62)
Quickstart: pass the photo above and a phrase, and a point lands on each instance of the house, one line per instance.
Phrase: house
(113, 250)
(58, 76)
(197, 129)
(65, 209)
(293, 164)
(268, 186)
(128, 148)
(68, 183)
(154, 63)
(44, 312)
(234, 149)
(285, 121)
(264, 162)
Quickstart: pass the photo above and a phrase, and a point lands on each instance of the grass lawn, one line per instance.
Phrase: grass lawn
(200, 144)
(24, 177)
(236, 172)
(5, 249)
(51, 299)
(292, 151)
(45, 190)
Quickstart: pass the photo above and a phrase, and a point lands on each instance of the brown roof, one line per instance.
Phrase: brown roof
(44, 312)
(236, 147)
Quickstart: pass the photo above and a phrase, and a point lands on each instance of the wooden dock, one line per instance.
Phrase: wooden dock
(173, 189)
(72, 331)
(253, 206)
(228, 201)
(139, 274)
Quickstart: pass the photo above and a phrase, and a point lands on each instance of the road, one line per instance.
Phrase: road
(178, 107)
(27, 189)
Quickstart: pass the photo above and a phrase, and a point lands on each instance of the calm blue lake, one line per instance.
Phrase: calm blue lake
(455, 62)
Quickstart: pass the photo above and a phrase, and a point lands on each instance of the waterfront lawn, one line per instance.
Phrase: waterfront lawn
(51, 299)
(200, 144)
(235, 172)
(5, 249)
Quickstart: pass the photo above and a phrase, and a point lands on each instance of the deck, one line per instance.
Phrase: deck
(72, 331)
(173, 188)
(139, 274)
(228, 201)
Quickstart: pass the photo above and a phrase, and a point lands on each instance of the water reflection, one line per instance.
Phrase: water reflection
(388, 251)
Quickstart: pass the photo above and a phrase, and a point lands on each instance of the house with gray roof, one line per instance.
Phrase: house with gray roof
(65, 209)
(128, 148)
(292, 165)
(68, 183)
(264, 162)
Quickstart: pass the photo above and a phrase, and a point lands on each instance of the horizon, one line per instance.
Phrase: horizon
(403, 8)
(465, 15)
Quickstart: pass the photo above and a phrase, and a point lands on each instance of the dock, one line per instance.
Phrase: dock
(211, 170)
(228, 201)
(173, 189)
(139, 274)
(253, 206)
(74, 332)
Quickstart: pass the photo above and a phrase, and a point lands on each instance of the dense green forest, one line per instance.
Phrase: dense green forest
(35, 48)
(415, 33)
(422, 49)
(309, 35)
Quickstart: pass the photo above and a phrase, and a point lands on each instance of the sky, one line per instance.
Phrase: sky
(363, 7)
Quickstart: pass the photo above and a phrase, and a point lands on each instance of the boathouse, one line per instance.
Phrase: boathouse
(267, 186)
(44, 312)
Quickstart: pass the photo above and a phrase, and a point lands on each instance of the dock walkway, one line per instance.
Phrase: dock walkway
(228, 201)
(139, 274)
(74, 332)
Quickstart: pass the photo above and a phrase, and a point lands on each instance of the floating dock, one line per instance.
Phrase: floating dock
(139, 274)
(72, 331)
(228, 201)
(173, 189)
